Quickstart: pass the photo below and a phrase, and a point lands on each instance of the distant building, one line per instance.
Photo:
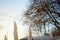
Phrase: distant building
(55, 32)
(44, 37)
(15, 31)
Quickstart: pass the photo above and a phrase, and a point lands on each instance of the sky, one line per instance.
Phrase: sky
(12, 8)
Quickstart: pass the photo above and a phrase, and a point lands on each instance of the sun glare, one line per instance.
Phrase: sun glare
(8, 29)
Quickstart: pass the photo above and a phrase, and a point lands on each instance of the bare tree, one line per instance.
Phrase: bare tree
(42, 12)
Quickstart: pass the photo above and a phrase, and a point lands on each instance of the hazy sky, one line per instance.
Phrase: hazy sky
(14, 8)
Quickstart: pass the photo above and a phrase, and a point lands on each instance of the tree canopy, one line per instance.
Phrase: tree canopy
(43, 12)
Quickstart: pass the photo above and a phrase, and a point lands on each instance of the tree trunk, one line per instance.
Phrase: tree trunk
(30, 34)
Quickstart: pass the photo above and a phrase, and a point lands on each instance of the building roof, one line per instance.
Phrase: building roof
(44, 37)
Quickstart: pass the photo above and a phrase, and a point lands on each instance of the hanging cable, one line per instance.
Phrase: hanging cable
(11, 16)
